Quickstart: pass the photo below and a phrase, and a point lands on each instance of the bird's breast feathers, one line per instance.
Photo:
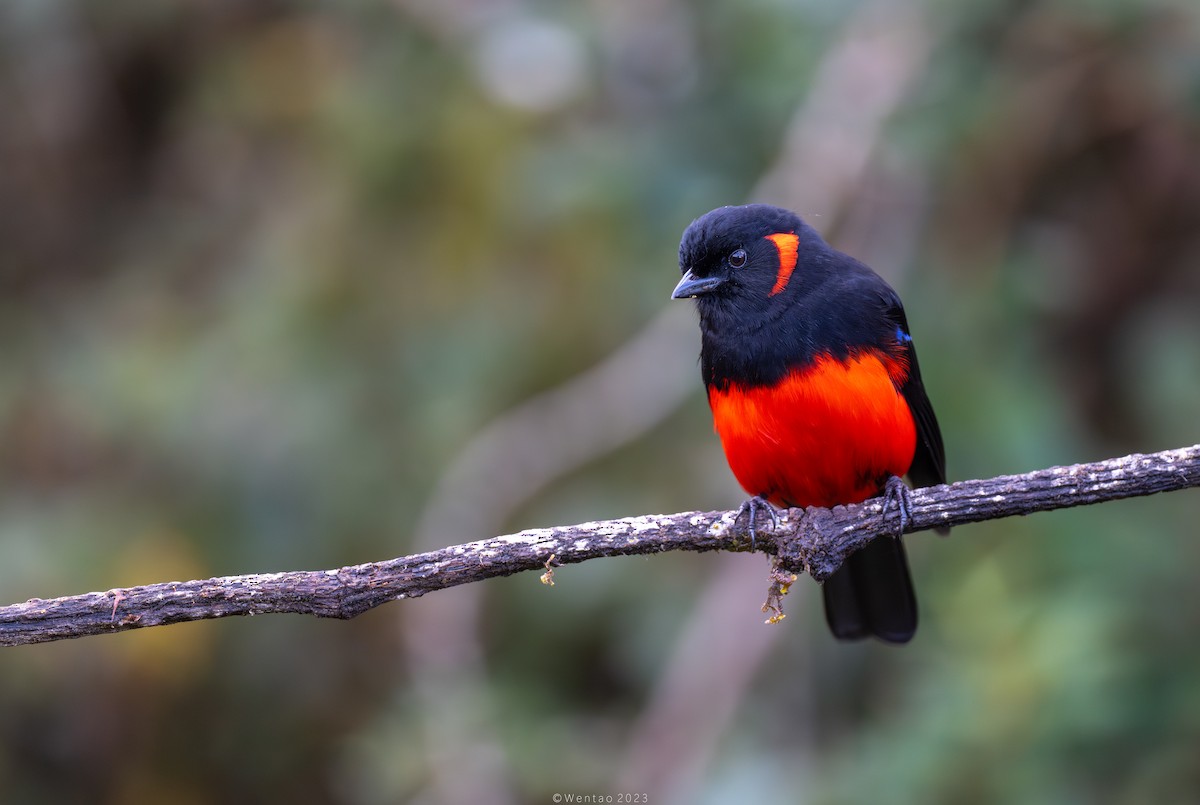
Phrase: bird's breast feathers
(828, 433)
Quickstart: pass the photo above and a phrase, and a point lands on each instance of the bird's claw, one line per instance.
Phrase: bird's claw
(752, 505)
(896, 493)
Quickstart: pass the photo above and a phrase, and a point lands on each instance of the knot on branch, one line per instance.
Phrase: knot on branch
(822, 538)
(805, 548)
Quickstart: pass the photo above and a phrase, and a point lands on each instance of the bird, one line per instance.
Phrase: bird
(815, 391)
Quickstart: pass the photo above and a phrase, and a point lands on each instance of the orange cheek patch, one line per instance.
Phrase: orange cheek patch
(787, 244)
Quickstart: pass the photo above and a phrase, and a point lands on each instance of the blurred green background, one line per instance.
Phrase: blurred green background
(291, 285)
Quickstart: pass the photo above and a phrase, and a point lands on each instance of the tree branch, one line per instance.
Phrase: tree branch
(814, 541)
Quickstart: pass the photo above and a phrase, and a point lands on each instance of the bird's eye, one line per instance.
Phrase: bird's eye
(737, 258)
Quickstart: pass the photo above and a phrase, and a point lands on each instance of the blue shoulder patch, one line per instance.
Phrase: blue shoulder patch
(901, 336)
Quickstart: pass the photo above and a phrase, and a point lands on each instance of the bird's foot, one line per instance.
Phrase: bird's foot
(753, 506)
(895, 493)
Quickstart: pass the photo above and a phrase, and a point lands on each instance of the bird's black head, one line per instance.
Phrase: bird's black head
(742, 255)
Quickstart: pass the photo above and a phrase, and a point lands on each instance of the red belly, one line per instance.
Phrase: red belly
(827, 434)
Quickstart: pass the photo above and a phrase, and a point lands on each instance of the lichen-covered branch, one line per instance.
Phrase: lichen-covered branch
(814, 541)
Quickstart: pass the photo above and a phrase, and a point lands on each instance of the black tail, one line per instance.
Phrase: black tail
(872, 594)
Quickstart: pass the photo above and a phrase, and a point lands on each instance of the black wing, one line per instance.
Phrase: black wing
(929, 463)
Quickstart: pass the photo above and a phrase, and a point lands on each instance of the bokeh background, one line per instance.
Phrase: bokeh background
(290, 285)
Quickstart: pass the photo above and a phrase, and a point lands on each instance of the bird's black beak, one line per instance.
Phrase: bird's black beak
(692, 285)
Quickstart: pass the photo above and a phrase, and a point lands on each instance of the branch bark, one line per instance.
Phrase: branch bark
(813, 541)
